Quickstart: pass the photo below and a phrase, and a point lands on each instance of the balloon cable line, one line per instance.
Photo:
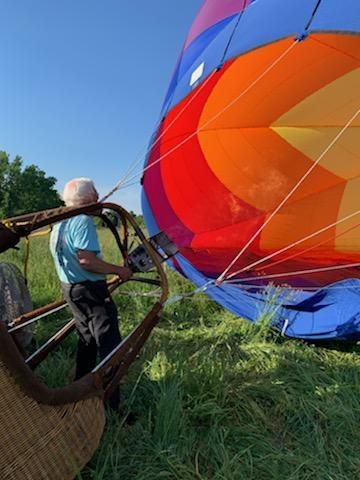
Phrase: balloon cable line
(147, 149)
(240, 14)
(238, 282)
(297, 288)
(293, 273)
(313, 15)
(125, 181)
(302, 252)
(214, 282)
(219, 113)
(270, 67)
(297, 242)
(138, 159)
(249, 286)
(184, 296)
(285, 200)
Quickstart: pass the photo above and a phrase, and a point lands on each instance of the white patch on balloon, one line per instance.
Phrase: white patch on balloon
(196, 75)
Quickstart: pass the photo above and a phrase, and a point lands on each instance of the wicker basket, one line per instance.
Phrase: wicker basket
(45, 434)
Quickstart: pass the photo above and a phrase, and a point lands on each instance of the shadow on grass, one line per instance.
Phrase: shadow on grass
(220, 399)
(212, 406)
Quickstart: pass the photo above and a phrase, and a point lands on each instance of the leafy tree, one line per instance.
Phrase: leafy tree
(139, 218)
(24, 190)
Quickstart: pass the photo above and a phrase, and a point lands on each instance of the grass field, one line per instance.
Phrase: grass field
(216, 398)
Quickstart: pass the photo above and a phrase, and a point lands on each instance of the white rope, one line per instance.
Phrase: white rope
(131, 168)
(178, 298)
(122, 187)
(138, 294)
(202, 127)
(284, 201)
(212, 283)
(284, 328)
(289, 287)
(294, 273)
(148, 149)
(294, 244)
(190, 296)
(229, 105)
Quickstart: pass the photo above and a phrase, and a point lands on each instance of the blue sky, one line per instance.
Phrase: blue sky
(82, 82)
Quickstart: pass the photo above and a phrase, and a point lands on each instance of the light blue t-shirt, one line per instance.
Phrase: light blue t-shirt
(69, 236)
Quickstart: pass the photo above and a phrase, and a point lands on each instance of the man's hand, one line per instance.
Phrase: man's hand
(92, 263)
(124, 273)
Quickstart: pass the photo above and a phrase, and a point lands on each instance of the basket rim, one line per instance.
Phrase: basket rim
(86, 387)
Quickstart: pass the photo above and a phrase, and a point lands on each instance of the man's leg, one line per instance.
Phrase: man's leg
(85, 357)
(105, 328)
(77, 298)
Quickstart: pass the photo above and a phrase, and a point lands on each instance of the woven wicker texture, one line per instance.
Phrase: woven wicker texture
(41, 442)
(15, 299)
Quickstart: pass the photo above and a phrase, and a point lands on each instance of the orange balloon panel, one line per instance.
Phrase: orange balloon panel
(269, 125)
(255, 174)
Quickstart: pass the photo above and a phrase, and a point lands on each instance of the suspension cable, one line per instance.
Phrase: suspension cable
(132, 167)
(214, 117)
(294, 273)
(295, 289)
(294, 244)
(126, 182)
(302, 252)
(284, 201)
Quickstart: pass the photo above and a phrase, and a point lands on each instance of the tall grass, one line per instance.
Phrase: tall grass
(215, 397)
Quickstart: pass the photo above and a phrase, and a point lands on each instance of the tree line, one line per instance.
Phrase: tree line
(24, 189)
(28, 189)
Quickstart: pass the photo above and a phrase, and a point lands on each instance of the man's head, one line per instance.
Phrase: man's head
(80, 191)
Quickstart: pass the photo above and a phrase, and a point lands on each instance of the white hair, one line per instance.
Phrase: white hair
(79, 191)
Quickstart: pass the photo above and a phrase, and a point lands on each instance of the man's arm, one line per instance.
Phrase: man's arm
(91, 263)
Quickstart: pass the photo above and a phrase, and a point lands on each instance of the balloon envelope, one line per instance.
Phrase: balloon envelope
(258, 152)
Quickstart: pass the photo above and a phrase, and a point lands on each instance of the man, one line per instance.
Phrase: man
(75, 248)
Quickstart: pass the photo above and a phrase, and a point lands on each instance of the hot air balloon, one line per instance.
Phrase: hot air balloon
(254, 168)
